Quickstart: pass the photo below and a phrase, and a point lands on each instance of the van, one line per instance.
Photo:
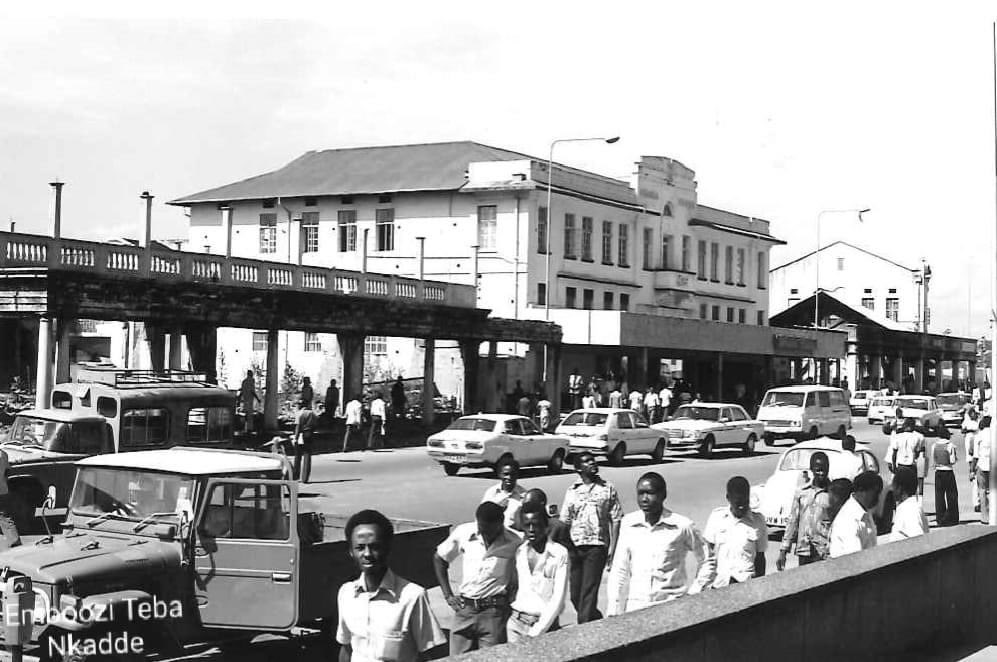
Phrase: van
(804, 412)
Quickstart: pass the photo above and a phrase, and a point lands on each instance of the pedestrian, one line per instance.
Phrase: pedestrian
(649, 565)
(8, 527)
(557, 530)
(399, 402)
(852, 464)
(616, 399)
(665, 397)
(524, 406)
(588, 401)
(908, 519)
(381, 616)
(905, 447)
(592, 510)
(543, 412)
(853, 529)
(736, 537)
(652, 405)
(304, 428)
(981, 467)
(507, 493)
(332, 400)
(575, 389)
(970, 428)
(636, 400)
(542, 579)
(354, 419)
(944, 456)
(838, 492)
(809, 524)
(378, 413)
(481, 603)
(307, 392)
(249, 398)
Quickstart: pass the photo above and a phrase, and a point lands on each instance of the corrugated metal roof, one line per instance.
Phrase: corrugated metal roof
(362, 170)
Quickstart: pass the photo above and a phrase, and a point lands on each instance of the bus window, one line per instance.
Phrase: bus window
(208, 424)
(62, 400)
(107, 407)
(141, 427)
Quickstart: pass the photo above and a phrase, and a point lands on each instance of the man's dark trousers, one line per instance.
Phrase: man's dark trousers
(303, 458)
(946, 498)
(587, 565)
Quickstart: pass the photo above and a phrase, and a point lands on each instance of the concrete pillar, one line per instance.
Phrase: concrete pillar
(428, 381)
(176, 349)
(43, 375)
(555, 351)
(822, 372)
(147, 234)
(852, 367)
(919, 375)
(156, 338)
(351, 349)
(971, 371)
(270, 407)
(898, 371)
(202, 344)
(57, 210)
(639, 378)
(538, 368)
(469, 356)
(227, 224)
(718, 394)
(876, 369)
(62, 358)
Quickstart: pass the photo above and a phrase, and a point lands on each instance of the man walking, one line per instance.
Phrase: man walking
(908, 519)
(970, 428)
(616, 399)
(307, 392)
(736, 537)
(636, 400)
(249, 398)
(853, 529)
(981, 467)
(332, 400)
(593, 512)
(944, 457)
(649, 565)
(399, 401)
(354, 418)
(575, 389)
(378, 413)
(508, 494)
(665, 397)
(652, 405)
(905, 447)
(809, 522)
(543, 412)
(381, 616)
(542, 578)
(481, 603)
(304, 428)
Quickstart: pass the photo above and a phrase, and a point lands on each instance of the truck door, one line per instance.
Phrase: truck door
(245, 557)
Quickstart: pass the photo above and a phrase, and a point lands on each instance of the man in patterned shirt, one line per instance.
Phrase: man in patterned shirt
(593, 512)
(809, 523)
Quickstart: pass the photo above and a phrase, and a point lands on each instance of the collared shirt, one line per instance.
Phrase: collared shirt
(908, 520)
(665, 396)
(982, 449)
(649, 565)
(589, 509)
(616, 400)
(377, 407)
(809, 522)
(944, 455)
(392, 622)
(512, 502)
(486, 571)
(907, 445)
(354, 412)
(588, 402)
(636, 398)
(575, 383)
(543, 589)
(736, 541)
(651, 399)
(853, 529)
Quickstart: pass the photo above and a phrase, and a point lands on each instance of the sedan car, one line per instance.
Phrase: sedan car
(879, 407)
(774, 498)
(859, 402)
(495, 440)
(614, 433)
(922, 408)
(711, 425)
(953, 406)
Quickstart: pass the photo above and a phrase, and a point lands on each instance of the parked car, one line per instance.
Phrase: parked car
(711, 425)
(859, 402)
(879, 407)
(953, 406)
(804, 412)
(494, 440)
(774, 498)
(922, 408)
(615, 433)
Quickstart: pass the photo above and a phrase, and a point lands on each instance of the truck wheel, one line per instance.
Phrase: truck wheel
(706, 448)
(502, 463)
(749, 444)
(659, 451)
(556, 462)
(616, 457)
(450, 468)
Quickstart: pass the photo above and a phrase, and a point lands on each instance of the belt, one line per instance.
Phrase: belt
(524, 617)
(492, 601)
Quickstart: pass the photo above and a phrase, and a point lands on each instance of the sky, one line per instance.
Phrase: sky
(783, 109)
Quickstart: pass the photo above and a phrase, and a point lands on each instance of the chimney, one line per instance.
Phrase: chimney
(57, 213)
(147, 236)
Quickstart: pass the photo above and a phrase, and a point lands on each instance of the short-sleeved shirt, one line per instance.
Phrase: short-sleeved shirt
(511, 502)
(908, 446)
(589, 509)
(908, 520)
(377, 407)
(542, 590)
(393, 622)
(306, 421)
(616, 399)
(354, 412)
(982, 449)
(736, 541)
(486, 571)
(651, 399)
(665, 396)
(636, 399)
(809, 522)
(853, 529)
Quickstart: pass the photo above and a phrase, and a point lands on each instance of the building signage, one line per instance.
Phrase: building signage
(782, 344)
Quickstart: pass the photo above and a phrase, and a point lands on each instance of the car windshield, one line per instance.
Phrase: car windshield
(919, 403)
(34, 431)
(950, 399)
(859, 395)
(590, 418)
(783, 399)
(882, 402)
(130, 494)
(697, 413)
(474, 424)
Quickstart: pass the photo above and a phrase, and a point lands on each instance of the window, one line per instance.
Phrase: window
(542, 230)
(763, 272)
(62, 400)
(730, 314)
(309, 231)
(247, 511)
(270, 203)
(207, 424)
(892, 308)
(375, 345)
(624, 302)
(794, 291)
(487, 215)
(703, 312)
(569, 297)
(541, 294)
(892, 290)
(686, 253)
(607, 300)
(607, 242)
(623, 421)
(587, 299)
(587, 238)
(312, 342)
(311, 202)
(715, 313)
(259, 341)
(737, 414)
(760, 318)
(869, 302)
(648, 260)
(701, 261)
(666, 251)
(823, 399)
(741, 315)
(714, 262)
(569, 236)
(141, 427)
(740, 266)
(667, 211)
(346, 200)
(346, 219)
(385, 221)
(623, 258)
(841, 264)
(107, 407)
(384, 199)
(268, 233)
(867, 291)
(729, 265)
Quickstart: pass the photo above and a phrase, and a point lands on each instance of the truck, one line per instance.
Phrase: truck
(171, 551)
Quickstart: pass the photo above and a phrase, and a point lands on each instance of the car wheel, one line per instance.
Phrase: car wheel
(616, 457)
(769, 439)
(885, 522)
(749, 444)
(450, 468)
(706, 448)
(842, 432)
(659, 451)
(556, 462)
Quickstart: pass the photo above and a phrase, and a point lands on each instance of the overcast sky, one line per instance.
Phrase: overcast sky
(782, 110)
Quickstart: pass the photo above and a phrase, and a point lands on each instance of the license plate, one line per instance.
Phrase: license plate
(456, 459)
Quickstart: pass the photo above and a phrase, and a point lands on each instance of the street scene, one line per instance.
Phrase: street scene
(622, 333)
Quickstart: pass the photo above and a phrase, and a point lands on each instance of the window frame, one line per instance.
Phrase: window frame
(268, 233)
(623, 246)
(543, 230)
(587, 225)
(384, 225)
(487, 228)
(607, 243)
(346, 224)
(570, 230)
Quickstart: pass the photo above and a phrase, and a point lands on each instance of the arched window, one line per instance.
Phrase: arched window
(667, 211)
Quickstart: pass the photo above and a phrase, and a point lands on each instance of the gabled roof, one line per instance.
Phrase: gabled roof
(362, 170)
(859, 314)
(843, 243)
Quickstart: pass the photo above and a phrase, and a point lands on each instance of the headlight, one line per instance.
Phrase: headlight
(473, 446)
(435, 443)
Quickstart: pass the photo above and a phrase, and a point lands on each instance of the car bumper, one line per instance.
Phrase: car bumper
(859, 409)
(463, 459)
(952, 418)
(596, 447)
(783, 430)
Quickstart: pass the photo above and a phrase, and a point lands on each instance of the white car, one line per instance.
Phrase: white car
(879, 407)
(711, 425)
(922, 408)
(859, 402)
(494, 440)
(774, 498)
(614, 433)
(953, 406)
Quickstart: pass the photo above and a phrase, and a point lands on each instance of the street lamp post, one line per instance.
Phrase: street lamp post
(817, 255)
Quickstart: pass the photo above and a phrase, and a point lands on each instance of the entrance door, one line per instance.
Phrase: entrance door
(245, 559)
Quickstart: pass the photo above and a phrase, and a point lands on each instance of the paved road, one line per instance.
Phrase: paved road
(406, 483)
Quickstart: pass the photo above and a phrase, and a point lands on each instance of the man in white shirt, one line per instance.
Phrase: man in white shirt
(652, 405)
(378, 414)
(507, 493)
(970, 428)
(542, 578)
(905, 447)
(665, 397)
(981, 467)
(354, 418)
(616, 399)
(649, 564)
(851, 465)
(588, 401)
(908, 519)
(636, 400)
(853, 528)
(736, 537)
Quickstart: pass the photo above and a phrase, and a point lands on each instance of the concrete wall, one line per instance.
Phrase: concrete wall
(923, 598)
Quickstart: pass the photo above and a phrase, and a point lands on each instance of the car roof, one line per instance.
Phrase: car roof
(821, 444)
(493, 417)
(601, 410)
(913, 397)
(711, 405)
(62, 415)
(805, 388)
(190, 461)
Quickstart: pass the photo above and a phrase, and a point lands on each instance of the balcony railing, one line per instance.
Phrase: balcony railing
(19, 250)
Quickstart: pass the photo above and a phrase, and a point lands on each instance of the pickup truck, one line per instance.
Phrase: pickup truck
(171, 551)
